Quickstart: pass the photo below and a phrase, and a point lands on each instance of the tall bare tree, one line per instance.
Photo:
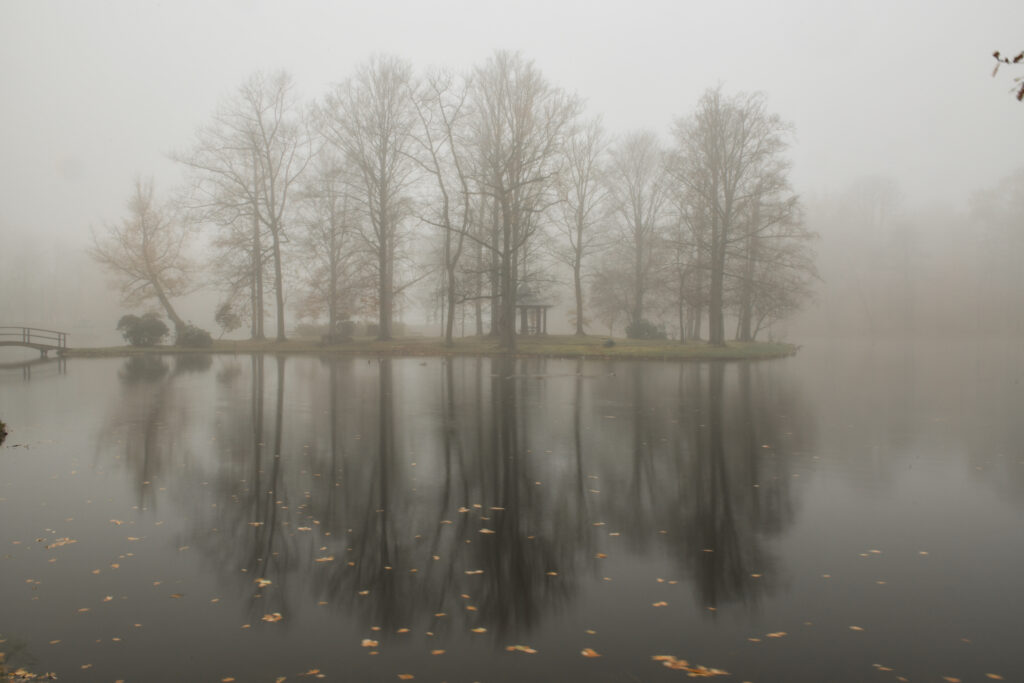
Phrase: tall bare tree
(331, 274)
(583, 205)
(146, 253)
(723, 152)
(639, 189)
(520, 126)
(245, 166)
(370, 119)
(441, 105)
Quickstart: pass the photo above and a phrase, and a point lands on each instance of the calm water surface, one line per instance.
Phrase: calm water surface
(850, 514)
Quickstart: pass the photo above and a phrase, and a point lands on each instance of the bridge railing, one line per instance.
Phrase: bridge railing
(35, 335)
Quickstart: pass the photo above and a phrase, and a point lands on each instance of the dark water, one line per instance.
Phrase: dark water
(846, 515)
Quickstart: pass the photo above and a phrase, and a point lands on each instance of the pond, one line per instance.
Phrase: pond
(853, 513)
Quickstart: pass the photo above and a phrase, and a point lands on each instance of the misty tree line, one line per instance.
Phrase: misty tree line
(480, 190)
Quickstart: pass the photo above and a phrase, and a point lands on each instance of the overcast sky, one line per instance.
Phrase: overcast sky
(94, 93)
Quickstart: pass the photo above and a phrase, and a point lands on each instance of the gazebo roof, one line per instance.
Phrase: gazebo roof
(527, 298)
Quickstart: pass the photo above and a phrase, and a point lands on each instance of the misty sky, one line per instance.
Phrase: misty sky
(97, 92)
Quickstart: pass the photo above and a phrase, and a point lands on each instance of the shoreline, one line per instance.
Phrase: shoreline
(549, 346)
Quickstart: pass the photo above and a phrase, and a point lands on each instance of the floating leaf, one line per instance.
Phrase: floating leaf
(329, 558)
(777, 634)
(589, 652)
(369, 643)
(263, 583)
(660, 603)
(272, 618)
(479, 629)
(856, 628)
(521, 648)
(437, 652)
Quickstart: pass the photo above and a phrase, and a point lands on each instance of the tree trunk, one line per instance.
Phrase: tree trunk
(578, 284)
(386, 296)
(747, 293)
(278, 284)
(716, 317)
(507, 319)
(179, 324)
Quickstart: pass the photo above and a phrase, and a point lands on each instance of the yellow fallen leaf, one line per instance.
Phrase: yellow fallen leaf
(588, 652)
(272, 618)
(369, 643)
(600, 556)
(487, 531)
(994, 677)
(263, 583)
(856, 628)
(951, 679)
(521, 648)
(405, 677)
(777, 634)
(176, 595)
(227, 679)
(437, 652)
(329, 558)
(478, 629)
(660, 603)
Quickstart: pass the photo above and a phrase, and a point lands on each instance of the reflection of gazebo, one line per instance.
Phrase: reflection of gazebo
(533, 314)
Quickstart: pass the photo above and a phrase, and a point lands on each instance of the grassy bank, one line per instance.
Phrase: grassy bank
(556, 346)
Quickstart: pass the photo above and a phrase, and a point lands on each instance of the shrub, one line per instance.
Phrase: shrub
(194, 337)
(148, 330)
(645, 329)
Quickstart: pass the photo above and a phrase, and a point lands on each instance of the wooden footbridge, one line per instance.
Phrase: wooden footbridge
(42, 341)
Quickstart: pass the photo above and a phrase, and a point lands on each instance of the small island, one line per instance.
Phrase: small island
(552, 346)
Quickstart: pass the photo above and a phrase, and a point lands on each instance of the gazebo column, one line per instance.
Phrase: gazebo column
(523, 324)
(544, 320)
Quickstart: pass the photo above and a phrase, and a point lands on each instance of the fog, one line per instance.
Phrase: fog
(897, 96)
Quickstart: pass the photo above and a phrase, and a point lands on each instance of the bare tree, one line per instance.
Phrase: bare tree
(245, 165)
(583, 205)
(639, 188)
(722, 153)
(331, 274)
(146, 254)
(441, 106)
(520, 125)
(370, 119)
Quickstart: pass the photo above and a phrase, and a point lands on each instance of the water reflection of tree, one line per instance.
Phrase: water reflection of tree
(145, 424)
(516, 467)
